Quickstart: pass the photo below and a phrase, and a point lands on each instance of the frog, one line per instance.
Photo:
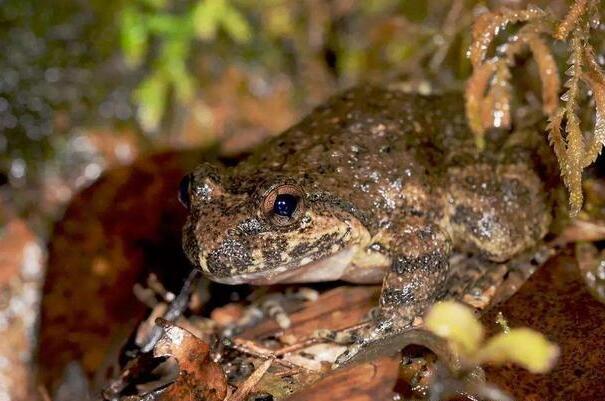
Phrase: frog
(374, 186)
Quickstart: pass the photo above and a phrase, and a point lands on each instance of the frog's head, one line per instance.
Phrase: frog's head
(266, 229)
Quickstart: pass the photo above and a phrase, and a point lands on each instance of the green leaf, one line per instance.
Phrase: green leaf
(523, 346)
(456, 323)
(155, 4)
(133, 36)
(164, 25)
(206, 18)
(151, 98)
(235, 25)
(174, 62)
(210, 15)
(279, 22)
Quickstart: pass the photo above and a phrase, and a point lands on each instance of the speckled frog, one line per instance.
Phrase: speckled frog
(374, 186)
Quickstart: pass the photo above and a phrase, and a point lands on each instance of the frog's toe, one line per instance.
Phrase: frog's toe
(303, 294)
(373, 314)
(358, 343)
(273, 309)
(339, 337)
(277, 306)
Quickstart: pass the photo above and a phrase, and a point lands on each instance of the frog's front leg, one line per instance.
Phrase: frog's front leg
(419, 253)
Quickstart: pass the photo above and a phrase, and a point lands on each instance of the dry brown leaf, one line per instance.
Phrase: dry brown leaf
(244, 389)
(199, 378)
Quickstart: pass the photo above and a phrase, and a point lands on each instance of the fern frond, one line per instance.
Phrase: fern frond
(548, 71)
(556, 140)
(573, 149)
(575, 156)
(595, 80)
(571, 20)
(488, 25)
(496, 112)
(476, 87)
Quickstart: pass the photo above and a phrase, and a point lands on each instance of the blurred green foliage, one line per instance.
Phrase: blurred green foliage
(350, 39)
(145, 20)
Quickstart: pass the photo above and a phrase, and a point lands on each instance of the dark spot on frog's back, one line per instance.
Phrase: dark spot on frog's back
(325, 169)
(513, 189)
(469, 218)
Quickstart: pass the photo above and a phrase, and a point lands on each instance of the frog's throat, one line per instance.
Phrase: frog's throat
(329, 268)
(334, 266)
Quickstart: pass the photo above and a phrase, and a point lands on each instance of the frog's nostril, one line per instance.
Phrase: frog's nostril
(184, 194)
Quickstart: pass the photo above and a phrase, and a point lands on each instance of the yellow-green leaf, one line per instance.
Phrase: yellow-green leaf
(278, 21)
(156, 4)
(523, 346)
(133, 36)
(151, 98)
(164, 25)
(235, 25)
(206, 17)
(456, 323)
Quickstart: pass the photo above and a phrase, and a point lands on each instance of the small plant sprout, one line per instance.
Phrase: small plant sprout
(465, 334)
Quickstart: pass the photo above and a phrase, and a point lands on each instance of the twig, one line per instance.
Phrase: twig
(175, 309)
(242, 391)
(298, 346)
(314, 340)
(44, 393)
(289, 372)
(452, 25)
(251, 348)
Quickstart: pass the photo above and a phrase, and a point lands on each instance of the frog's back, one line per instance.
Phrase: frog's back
(370, 120)
(381, 125)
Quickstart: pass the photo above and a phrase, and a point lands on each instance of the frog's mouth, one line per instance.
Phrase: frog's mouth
(329, 268)
(329, 256)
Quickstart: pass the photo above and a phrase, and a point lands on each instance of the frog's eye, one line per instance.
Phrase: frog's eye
(283, 205)
(184, 194)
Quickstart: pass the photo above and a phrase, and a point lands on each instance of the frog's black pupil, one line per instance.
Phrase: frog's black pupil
(184, 191)
(285, 205)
